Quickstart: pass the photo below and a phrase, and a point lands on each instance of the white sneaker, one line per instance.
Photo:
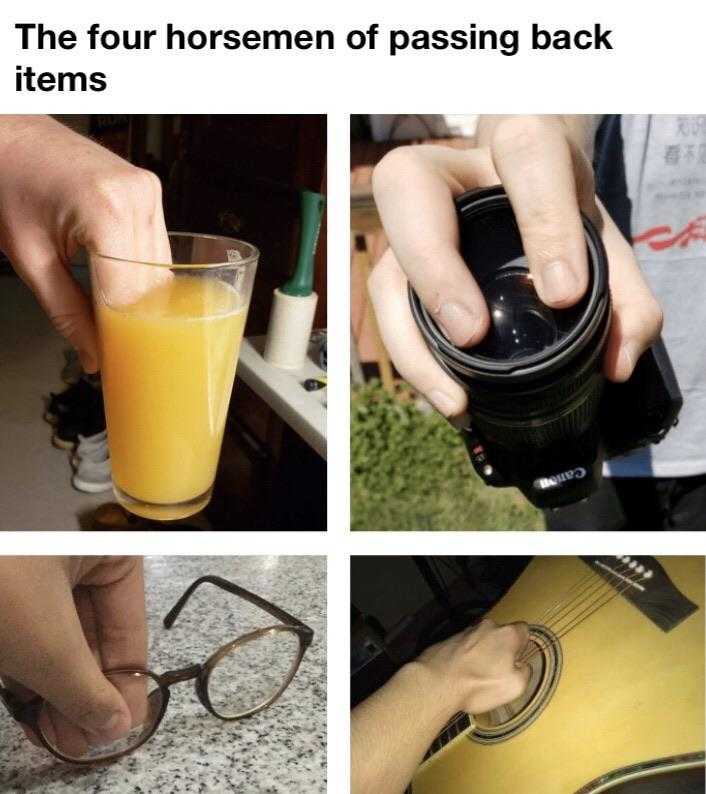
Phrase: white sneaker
(86, 442)
(93, 447)
(92, 476)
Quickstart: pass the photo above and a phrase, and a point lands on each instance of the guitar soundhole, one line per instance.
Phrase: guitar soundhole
(545, 669)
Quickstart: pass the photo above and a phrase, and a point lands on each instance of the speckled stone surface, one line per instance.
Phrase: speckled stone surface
(281, 750)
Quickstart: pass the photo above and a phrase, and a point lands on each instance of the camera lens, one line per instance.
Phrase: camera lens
(520, 324)
(535, 380)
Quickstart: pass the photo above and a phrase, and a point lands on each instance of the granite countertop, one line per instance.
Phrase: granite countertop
(281, 749)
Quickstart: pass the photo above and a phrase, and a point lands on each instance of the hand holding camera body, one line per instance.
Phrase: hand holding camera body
(542, 416)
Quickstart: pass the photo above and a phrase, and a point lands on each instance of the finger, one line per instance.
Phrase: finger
(637, 316)
(404, 342)
(45, 649)
(520, 679)
(158, 227)
(126, 236)
(133, 691)
(86, 616)
(414, 190)
(63, 300)
(534, 160)
(62, 734)
(120, 615)
(119, 620)
(521, 636)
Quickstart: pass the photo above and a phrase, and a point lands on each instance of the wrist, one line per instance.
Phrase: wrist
(442, 694)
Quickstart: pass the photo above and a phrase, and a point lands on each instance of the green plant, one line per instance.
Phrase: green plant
(410, 471)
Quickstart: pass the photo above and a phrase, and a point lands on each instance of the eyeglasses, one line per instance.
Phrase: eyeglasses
(240, 679)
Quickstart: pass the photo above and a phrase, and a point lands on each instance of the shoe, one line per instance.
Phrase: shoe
(89, 422)
(70, 401)
(94, 447)
(92, 477)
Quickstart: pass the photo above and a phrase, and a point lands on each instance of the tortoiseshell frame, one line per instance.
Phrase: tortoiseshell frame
(28, 712)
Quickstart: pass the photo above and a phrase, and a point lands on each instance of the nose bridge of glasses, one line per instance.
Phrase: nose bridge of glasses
(183, 674)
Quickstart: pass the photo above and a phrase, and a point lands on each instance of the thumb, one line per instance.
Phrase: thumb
(89, 701)
(45, 648)
(63, 300)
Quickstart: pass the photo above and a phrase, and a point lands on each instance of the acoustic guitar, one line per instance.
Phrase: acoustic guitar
(616, 695)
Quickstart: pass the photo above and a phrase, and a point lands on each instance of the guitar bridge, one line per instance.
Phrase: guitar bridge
(644, 583)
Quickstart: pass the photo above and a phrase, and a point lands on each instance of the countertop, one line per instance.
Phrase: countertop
(304, 411)
(281, 749)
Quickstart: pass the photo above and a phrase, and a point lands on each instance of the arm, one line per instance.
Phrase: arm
(474, 671)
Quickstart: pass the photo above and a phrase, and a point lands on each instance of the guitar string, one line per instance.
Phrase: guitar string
(589, 584)
(607, 586)
(594, 583)
(579, 585)
(594, 593)
(542, 645)
(602, 601)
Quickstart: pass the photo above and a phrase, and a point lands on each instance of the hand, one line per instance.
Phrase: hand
(473, 671)
(477, 670)
(59, 192)
(63, 620)
(548, 180)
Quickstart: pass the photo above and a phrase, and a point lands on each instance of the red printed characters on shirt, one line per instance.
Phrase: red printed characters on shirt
(660, 237)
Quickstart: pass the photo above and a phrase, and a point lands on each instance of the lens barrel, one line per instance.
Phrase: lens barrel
(536, 380)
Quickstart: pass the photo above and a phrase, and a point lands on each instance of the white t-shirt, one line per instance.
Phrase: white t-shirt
(664, 163)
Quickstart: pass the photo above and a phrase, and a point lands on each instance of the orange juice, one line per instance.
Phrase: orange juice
(168, 363)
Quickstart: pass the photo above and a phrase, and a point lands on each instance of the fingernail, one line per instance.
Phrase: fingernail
(441, 401)
(457, 322)
(113, 727)
(558, 282)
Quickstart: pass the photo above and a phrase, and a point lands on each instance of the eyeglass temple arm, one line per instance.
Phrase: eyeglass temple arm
(224, 584)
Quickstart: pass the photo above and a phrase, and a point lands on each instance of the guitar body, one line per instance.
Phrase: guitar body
(628, 696)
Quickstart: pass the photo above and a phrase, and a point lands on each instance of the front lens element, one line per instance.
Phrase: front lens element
(145, 700)
(252, 672)
(520, 324)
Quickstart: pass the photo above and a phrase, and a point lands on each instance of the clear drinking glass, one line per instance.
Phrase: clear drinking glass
(169, 336)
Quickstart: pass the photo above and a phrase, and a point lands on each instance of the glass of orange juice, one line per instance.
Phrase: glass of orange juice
(169, 336)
